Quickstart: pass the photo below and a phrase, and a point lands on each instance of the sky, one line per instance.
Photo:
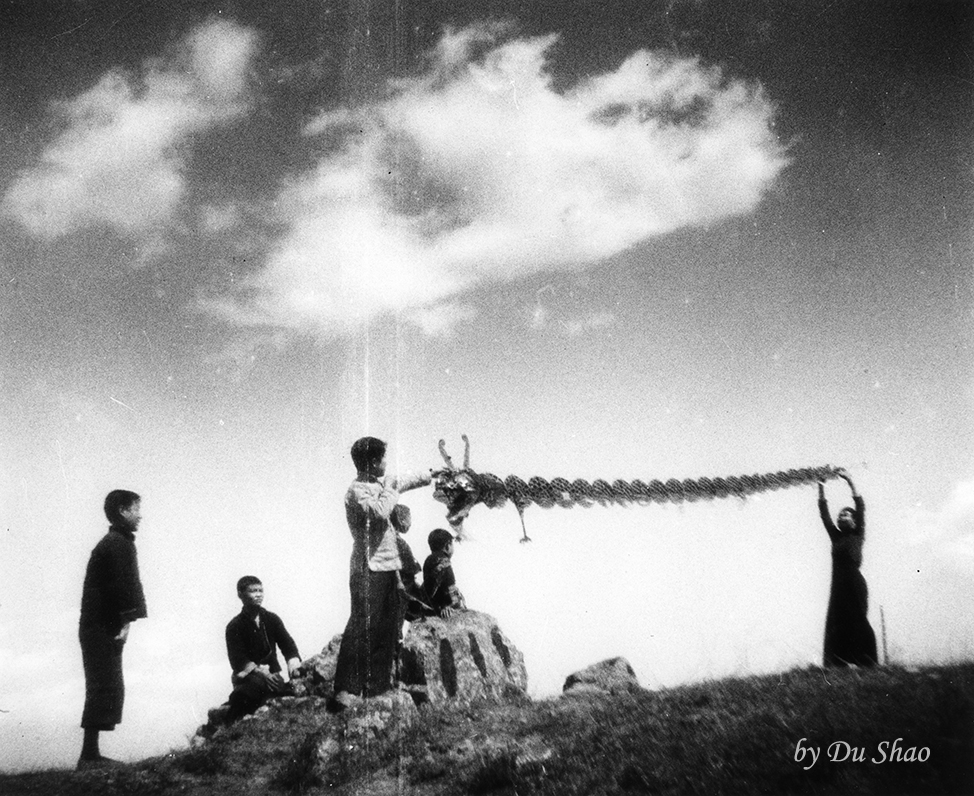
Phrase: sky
(604, 240)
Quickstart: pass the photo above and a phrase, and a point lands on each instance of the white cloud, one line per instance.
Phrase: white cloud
(955, 543)
(592, 321)
(215, 219)
(479, 170)
(441, 318)
(949, 532)
(115, 161)
(542, 317)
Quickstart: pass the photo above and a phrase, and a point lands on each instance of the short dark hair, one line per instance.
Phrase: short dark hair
(439, 539)
(116, 500)
(247, 580)
(367, 452)
(401, 517)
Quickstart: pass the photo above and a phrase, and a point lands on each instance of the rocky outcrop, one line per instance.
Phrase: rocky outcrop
(464, 657)
(316, 677)
(360, 724)
(611, 676)
(461, 658)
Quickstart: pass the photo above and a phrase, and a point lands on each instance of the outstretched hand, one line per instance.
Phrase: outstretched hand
(844, 475)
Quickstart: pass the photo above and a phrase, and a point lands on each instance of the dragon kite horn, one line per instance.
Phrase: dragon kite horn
(446, 456)
(466, 451)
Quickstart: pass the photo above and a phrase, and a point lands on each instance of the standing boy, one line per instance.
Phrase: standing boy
(111, 600)
(438, 579)
(367, 656)
(253, 637)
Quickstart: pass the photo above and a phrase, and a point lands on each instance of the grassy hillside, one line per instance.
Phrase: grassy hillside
(724, 737)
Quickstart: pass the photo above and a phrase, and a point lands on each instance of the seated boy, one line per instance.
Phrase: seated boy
(439, 581)
(253, 637)
(414, 600)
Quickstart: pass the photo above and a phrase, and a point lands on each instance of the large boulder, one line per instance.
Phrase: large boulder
(316, 677)
(464, 657)
(611, 676)
(360, 724)
(461, 658)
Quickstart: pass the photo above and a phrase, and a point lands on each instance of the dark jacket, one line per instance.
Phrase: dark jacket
(440, 583)
(112, 593)
(846, 545)
(247, 641)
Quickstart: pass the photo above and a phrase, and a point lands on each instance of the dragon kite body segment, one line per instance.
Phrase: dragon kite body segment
(461, 489)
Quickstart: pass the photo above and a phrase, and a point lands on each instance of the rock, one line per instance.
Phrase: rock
(375, 716)
(218, 716)
(359, 725)
(464, 657)
(215, 719)
(326, 749)
(316, 677)
(461, 658)
(611, 676)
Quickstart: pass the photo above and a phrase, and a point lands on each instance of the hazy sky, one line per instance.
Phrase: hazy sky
(605, 240)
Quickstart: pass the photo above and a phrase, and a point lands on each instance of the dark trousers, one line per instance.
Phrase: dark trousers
(370, 643)
(252, 692)
(101, 656)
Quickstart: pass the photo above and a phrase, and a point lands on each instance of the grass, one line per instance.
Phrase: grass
(733, 736)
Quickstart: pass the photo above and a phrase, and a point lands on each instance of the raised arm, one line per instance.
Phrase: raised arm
(844, 475)
(823, 510)
(857, 500)
(407, 481)
(372, 500)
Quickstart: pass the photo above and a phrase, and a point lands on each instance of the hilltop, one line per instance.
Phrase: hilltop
(890, 731)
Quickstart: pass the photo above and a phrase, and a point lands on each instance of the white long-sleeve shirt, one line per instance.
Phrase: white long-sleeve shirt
(368, 506)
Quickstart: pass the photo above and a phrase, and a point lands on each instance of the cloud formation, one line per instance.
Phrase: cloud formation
(479, 170)
(476, 171)
(949, 531)
(954, 529)
(115, 161)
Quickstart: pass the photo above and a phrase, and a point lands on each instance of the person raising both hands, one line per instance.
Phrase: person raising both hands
(849, 638)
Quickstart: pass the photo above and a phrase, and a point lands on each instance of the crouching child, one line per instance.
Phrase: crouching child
(439, 582)
(414, 598)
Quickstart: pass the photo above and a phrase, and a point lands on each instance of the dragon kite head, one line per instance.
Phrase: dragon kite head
(457, 488)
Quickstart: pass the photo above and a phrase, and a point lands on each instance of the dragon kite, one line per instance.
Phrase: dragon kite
(461, 488)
